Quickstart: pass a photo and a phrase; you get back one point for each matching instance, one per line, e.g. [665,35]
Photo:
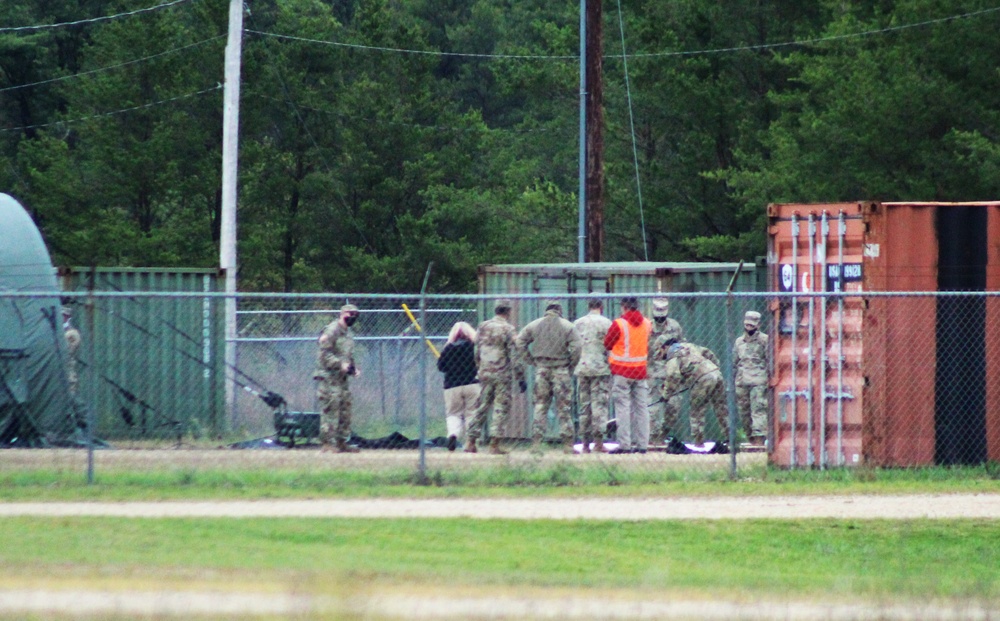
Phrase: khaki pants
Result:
[459,408]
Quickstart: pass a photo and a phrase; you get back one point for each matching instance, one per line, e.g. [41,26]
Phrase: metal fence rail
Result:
[882,379]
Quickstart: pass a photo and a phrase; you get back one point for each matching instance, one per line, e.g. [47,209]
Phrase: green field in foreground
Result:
[827,559]
[557,479]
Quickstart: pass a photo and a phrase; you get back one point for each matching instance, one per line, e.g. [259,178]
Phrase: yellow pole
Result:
[416,325]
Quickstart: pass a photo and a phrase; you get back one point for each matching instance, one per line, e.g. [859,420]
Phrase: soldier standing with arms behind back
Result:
[334,365]
[498,364]
[593,375]
[552,346]
[750,363]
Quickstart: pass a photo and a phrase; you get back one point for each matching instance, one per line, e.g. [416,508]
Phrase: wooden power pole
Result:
[595,133]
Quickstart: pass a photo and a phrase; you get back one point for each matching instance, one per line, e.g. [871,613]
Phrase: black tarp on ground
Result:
[36,408]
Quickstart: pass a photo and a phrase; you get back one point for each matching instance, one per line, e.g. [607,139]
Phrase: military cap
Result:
[661,307]
[501,305]
[349,308]
[550,304]
[677,349]
[752,317]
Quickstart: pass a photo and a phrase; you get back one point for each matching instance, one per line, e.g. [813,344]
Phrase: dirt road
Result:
[930,506]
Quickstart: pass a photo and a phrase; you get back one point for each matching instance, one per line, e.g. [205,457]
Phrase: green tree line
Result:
[379,135]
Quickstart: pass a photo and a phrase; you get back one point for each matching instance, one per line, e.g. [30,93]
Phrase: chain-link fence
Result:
[151,380]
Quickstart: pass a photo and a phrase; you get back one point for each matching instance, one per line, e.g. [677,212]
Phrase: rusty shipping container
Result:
[885,380]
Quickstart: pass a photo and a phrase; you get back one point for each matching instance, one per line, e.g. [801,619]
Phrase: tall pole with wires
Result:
[230,167]
[582,208]
[595,132]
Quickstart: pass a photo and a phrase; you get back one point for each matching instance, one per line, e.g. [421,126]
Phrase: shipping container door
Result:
[816,379]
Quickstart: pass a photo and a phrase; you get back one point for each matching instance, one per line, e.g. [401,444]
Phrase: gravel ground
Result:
[931,506]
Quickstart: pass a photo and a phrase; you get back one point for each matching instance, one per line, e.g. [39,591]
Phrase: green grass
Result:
[829,559]
[560,479]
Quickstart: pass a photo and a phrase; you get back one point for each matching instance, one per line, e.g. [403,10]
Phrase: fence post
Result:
[89,315]
[730,384]
[422,472]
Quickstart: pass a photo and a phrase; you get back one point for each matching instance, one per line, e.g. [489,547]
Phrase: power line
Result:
[721,50]
[408,51]
[122,111]
[110,67]
[850,35]
[91,20]
[442,128]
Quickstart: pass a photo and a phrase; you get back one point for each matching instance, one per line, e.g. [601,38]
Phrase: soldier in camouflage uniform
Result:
[688,369]
[593,375]
[498,364]
[663,412]
[750,363]
[335,363]
[73,341]
[552,346]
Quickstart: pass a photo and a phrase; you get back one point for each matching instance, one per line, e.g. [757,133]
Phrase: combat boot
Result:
[495,447]
[470,446]
[344,447]
[586,443]
[567,446]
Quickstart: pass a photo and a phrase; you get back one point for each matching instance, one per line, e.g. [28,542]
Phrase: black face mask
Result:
[750,331]
[349,320]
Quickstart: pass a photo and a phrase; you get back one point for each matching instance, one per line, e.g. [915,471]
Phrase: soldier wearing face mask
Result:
[335,364]
[750,363]
[663,412]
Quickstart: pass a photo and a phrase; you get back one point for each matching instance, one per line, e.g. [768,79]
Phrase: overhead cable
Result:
[407,51]
[631,125]
[720,50]
[114,112]
[91,20]
[110,67]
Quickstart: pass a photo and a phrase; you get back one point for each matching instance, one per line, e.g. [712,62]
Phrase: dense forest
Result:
[379,135]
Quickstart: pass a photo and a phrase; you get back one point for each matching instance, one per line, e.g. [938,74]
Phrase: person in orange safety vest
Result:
[627,342]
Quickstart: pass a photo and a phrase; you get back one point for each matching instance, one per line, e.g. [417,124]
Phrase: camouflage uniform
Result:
[498,364]
[593,375]
[336,347]
[687,368]
[663,412]
[750,362]
[552,346]
[73,341]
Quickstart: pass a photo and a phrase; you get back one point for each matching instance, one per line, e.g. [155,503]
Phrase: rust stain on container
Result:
[885,381]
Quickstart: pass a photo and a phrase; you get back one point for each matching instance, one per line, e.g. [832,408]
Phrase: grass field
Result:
[952,563]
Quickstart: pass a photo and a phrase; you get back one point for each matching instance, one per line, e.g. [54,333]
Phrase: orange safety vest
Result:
[632,348]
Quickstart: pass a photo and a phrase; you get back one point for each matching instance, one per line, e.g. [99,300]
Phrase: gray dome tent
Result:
[36,408]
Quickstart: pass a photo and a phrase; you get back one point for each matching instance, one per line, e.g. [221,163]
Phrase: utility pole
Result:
[582,190]
[595,131]
[230,168]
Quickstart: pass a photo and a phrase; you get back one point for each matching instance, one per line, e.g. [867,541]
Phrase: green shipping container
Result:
[157,370]
[705,320]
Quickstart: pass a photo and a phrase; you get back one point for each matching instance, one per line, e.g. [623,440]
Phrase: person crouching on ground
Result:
[461,388]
